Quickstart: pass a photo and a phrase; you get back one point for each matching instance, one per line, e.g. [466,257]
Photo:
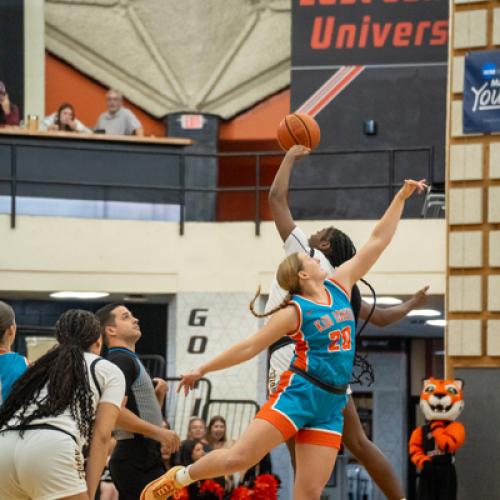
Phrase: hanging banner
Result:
[481,103]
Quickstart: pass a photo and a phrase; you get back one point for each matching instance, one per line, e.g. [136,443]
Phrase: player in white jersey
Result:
[332,247]
[69,398]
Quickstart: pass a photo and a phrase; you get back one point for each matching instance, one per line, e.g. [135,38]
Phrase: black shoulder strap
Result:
[94,378]
[134,357]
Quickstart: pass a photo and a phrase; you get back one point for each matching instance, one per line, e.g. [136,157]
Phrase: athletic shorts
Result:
[301,409]
[42,465]
[279,363]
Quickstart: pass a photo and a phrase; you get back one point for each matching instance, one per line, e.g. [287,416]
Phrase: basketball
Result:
[298,128]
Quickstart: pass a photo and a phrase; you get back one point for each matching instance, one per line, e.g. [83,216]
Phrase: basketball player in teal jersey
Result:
[312,394]
[332,247]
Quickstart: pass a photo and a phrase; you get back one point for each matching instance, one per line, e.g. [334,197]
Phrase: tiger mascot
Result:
[432,447]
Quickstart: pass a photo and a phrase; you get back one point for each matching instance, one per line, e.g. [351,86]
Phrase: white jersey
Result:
[111,383]
[280,359]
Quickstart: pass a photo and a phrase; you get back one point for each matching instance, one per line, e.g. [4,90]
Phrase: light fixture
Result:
[436,322]
[424,312]
[79,295]
[384,301]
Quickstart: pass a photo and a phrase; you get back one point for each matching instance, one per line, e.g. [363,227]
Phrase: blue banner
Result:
[481,103]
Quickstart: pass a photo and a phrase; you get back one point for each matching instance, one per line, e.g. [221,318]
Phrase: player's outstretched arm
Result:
[384,316]
[281,323]
[278,193]
[354,269]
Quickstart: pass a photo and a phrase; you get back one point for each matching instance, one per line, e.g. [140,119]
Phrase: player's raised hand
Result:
[297,151]
[188,380]
[420,297]
[410,186]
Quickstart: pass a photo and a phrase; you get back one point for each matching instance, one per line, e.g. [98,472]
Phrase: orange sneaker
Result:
[163,487]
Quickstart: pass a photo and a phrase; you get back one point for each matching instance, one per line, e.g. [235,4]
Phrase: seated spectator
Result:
[216,433]
[9,112]
[118,120]
[64,120]
[195,449]
[196,432]
[12,365]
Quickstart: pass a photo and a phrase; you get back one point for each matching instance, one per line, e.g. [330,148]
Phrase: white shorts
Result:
[280,362]
[42,465]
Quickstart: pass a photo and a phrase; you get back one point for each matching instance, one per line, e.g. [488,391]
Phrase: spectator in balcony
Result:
[9,112]
[12,365]
[118,120]
[64,120]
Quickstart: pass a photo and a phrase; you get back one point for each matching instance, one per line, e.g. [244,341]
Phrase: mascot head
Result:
[442,399]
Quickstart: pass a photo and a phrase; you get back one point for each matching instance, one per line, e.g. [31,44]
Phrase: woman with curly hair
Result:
[68,399]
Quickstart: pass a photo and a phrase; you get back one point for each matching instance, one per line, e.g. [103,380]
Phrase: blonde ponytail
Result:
[282,305]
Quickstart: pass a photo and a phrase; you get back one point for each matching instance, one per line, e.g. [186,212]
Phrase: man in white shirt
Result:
[118,120]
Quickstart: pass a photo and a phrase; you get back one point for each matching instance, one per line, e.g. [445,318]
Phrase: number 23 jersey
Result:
[325,335]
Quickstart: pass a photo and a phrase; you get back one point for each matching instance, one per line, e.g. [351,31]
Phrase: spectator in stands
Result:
[9,112]
[64,120]
[216,433]
[197,429]
[12,365]
[118,120]
[195,449]
[136,459]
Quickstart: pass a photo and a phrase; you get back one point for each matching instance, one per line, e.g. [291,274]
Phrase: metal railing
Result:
[180,409]
[14,180]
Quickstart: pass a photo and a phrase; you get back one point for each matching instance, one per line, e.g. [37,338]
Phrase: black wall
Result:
[12,50]
[44,313]
[402,47]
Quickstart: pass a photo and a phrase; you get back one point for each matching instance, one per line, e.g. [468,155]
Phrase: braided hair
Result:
[63,371]
[288,279]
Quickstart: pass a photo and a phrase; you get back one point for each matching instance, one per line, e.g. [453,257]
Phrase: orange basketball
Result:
[298,128]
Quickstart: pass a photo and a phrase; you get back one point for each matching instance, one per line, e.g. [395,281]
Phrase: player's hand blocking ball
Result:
[298,129]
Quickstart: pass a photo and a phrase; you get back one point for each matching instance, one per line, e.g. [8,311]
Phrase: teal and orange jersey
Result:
[325,336]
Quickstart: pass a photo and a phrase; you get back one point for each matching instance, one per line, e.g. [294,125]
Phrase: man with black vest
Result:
[136,459]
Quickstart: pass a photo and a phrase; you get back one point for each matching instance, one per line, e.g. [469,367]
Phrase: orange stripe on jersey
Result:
[319,437]
[299,319]
[301,348]
[284,382]
[338,285]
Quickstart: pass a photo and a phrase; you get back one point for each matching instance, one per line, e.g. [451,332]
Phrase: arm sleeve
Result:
[128,368]
[111,381]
